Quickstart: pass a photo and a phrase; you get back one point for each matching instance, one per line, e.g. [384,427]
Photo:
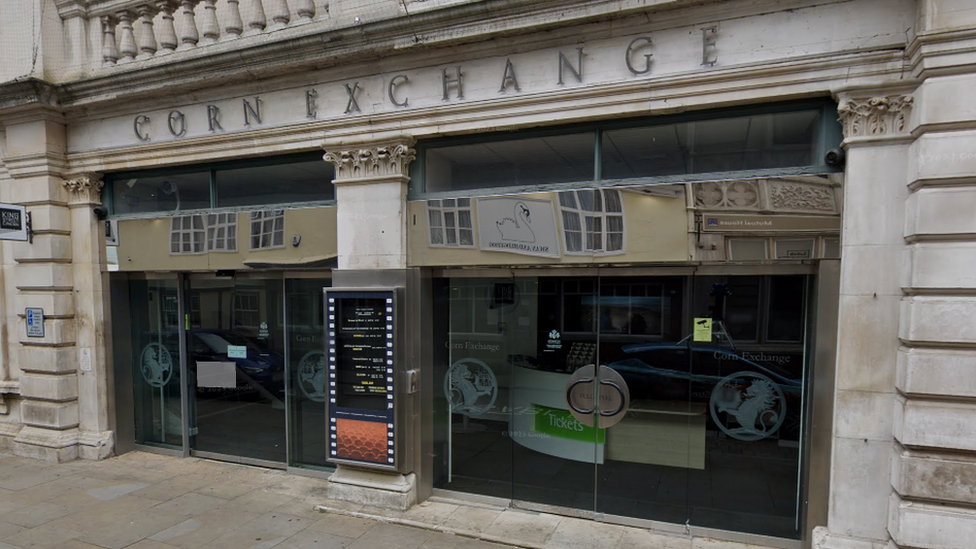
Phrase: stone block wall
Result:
[934,455]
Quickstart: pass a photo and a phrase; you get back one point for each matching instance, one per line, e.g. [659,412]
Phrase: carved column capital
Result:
[875,116]
[84,189]
[379,160]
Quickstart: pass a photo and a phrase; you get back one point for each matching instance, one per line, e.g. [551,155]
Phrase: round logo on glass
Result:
[156,365]
[311,375]
[470,386]
[748,406]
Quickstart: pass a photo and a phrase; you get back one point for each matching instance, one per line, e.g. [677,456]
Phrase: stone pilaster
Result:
[875,189]
[371,191]
[934,462]
[40,275]
[90,279]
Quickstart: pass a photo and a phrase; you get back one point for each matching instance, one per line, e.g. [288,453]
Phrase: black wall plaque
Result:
[361,346]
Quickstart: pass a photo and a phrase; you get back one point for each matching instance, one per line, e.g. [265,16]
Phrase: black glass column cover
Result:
[361,349]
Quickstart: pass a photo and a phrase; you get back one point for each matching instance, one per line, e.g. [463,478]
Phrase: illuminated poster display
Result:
[361,346]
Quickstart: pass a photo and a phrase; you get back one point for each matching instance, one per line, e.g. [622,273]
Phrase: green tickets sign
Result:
[562,424]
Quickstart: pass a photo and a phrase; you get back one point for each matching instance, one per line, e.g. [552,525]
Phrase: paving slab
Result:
[441,540]
[125,532]
[37,514]
[573,533]
[42,537]
[534,528]
[391,536]
[198,531]
[312,539]
[472,519]
[342,525]
[7,529]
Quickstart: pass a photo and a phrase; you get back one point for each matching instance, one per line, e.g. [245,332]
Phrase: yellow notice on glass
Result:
[703,329]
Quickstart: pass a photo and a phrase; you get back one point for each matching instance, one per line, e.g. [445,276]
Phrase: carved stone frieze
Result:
[877,116]
[85,189]
[372,160]
[732,195]
[791,196]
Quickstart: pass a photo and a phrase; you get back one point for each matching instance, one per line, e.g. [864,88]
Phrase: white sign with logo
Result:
[518,225]
[13,222]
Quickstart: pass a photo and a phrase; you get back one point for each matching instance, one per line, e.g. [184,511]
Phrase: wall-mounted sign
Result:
[773,223]
[35,322]
[703,329]
[13,223]
[112,232]
[361,351]
[518,225]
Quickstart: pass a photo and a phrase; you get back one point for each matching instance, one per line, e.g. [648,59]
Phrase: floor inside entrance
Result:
[244,426]
[744,486]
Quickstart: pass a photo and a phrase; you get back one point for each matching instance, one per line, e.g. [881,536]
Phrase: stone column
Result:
[878,145]
[95,440]
[371,189]
[41,276]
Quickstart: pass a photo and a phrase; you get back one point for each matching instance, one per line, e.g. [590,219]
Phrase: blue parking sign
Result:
[35,322]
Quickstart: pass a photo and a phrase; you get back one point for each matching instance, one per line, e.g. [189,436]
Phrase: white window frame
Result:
[247,304]
[226,222]
[602,215]
[191,235]
[265,220]
[438,205]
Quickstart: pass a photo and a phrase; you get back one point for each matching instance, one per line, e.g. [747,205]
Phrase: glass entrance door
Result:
[236,364]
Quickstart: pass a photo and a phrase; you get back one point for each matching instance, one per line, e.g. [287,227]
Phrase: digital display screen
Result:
[361,346]
[361,351]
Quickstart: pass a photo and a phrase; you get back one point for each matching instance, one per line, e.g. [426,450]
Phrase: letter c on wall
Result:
[137,126]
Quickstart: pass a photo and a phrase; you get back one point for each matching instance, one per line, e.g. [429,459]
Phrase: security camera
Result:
[101,212]
[835,158]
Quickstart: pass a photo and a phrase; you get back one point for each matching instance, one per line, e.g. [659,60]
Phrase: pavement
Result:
[148,501]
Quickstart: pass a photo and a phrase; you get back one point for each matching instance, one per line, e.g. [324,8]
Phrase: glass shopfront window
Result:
[307,372]
[713,430]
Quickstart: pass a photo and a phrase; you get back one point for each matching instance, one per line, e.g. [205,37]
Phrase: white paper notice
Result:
[236,351]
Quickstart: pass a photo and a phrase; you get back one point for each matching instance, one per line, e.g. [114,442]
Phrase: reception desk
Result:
[653,432]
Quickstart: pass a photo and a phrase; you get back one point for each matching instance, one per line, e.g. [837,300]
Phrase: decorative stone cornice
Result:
[372,160]
[84,189]
[876,116]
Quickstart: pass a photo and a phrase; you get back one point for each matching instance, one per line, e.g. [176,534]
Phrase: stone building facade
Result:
[98,93]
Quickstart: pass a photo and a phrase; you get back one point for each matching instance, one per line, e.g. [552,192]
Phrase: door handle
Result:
[623,398]
[569,399]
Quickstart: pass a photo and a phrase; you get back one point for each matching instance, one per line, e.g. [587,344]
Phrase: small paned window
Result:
[187,235]
[267,229]
[247,309]
[222,232]
[450,223]
[593,221]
